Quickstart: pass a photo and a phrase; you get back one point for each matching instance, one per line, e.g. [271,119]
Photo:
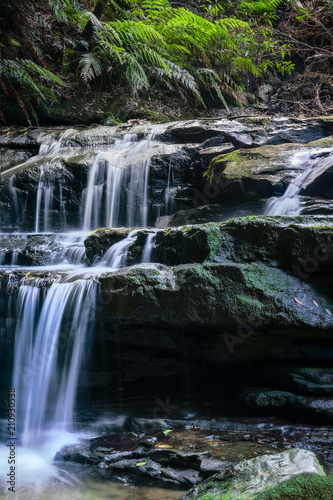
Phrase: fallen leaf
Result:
[328,312]
[298,302]
[235,486]
[315,303]
[27,274]
[167,431]
[140,464]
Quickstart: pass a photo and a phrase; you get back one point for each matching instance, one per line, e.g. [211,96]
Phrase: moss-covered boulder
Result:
[213,295]
[266,171]
[302,245]
[267,477]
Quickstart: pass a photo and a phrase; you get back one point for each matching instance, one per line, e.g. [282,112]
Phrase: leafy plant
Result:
[25,81]
[153,41]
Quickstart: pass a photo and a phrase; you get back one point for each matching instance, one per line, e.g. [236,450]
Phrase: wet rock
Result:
[316,206]
[211,466]
[207,154]
[149,469]
[253,478]
[177,458]
[185,147]
[98,242]
[117,456]
[320,408]
[287,242]
[149,442]
[321,186]
[265,171]
[35,249]
[310,380]
[217,294]
[78,453]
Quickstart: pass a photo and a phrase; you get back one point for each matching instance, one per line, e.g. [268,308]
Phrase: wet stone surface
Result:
[186,452]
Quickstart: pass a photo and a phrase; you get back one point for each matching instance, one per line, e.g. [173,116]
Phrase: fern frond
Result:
[246,65]
[260,7]
[91,67]
[134,72]
[212,80]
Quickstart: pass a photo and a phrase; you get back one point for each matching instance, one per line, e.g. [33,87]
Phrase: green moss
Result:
[266,160]
[326,142]
[312,487]
[211,496]
[213,238]
[247,305]
[202,271]
[267,280]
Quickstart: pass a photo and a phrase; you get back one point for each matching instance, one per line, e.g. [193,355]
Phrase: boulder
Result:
[259,477]
[39,249]
[184,149]
[315,407]
[266,171]
[306,380]
[217,295]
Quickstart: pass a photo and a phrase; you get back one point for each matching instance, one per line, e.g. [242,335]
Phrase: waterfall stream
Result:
[289,203]
[53,318]
[53,323]
[148,248]
[111,186]
[50,337]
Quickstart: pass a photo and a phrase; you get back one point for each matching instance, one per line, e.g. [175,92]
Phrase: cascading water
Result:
[54,323]
[50,338]
[169,195]
[289,203]
[117,190]
[116,256]
[148,248]
[44,193]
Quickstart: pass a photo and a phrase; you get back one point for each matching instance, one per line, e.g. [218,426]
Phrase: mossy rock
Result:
[307,487]
[261,477]
[265,171]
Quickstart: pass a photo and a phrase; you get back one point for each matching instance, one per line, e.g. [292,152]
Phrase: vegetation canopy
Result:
[200,52]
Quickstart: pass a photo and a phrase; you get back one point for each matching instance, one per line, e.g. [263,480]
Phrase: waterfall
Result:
[44,191]
[49,345]
[117,188]
[49,146]
[148,248]
[169,195]
[289,203]
[71,249]
[116,256]
[2,258]
[13,196]
[14,258]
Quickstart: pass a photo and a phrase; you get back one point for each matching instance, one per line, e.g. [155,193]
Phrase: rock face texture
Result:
[256,158]
[259,477]
[235,300]
[250,290]
[216,300]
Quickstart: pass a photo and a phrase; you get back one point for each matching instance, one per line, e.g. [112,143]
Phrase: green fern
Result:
[91,67]
[65,10]
[156,41]
[25,82]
